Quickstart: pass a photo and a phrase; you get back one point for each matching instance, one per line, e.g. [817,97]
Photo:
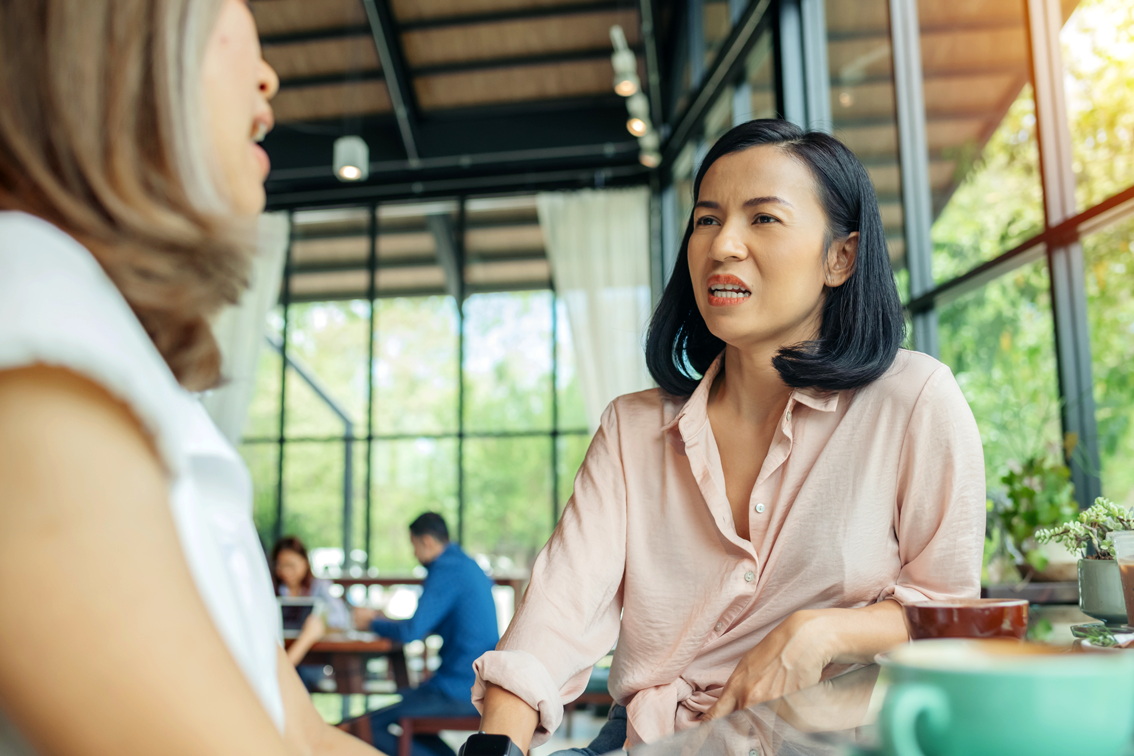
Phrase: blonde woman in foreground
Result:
[130,179]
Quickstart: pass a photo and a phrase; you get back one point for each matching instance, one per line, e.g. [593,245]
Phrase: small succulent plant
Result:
[1089,534]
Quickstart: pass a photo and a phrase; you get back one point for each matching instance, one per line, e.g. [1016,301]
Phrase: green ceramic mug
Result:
[1005,698]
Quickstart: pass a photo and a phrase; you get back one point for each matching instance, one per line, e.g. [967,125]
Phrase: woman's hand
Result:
[314,628]
[363,616]
[789,658]
[793,656]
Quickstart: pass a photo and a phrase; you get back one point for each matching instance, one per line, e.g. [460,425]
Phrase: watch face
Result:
[487,745]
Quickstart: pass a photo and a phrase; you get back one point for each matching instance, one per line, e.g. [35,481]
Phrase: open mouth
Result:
[727,290]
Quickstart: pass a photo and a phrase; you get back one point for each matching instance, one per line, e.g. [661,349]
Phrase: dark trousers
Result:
[610,738]
[417,702]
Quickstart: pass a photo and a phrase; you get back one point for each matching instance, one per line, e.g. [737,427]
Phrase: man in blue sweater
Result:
[456,604]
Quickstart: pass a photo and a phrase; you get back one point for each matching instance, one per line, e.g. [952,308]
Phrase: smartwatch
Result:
[483,744]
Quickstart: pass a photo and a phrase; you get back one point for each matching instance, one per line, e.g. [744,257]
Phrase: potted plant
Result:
[1036,494]
[1100,587]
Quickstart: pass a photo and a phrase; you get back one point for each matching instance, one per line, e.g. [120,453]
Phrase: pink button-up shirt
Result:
[864,495]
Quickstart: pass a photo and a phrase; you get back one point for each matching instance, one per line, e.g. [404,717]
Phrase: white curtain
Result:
[598,243]
[240,330]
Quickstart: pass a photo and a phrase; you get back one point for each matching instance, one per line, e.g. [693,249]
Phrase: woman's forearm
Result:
[857,635]
[507,714]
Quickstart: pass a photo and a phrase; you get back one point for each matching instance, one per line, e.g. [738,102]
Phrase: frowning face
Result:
[757,251]
[237,85]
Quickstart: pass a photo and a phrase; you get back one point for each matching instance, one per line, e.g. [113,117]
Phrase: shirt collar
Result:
[695,412]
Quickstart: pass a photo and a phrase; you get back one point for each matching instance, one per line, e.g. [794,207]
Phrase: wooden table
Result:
[347,654]
[1035,592]
[515,582]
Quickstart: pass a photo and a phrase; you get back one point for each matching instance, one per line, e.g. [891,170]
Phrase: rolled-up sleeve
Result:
[569,616]
[940,508]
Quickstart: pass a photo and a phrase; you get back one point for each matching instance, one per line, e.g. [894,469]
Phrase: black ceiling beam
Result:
[519,14]
[315,35]
[464,163]
[630,173]
[397,79]
[647,13]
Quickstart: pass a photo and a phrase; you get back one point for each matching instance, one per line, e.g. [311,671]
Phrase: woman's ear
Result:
[841,259]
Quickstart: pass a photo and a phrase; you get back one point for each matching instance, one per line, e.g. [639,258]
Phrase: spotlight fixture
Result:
[352,159]
[627,84]
[638,107]
[649,154]
[625,65]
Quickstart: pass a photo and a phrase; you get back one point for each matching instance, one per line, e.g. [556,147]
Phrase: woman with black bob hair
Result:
[756,523]
[862,325]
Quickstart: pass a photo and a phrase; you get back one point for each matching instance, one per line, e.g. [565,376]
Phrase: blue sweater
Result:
[456,604]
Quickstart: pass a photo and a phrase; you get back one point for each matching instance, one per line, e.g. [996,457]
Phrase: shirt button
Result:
[749,576]
[719,626]
[760,508]
[753,752]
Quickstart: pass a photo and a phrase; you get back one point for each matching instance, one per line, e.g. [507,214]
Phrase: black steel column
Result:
[372,297]
[285,297]
[461,371]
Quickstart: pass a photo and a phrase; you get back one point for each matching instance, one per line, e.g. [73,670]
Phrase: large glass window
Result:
[373,432]
[1109,258]
[508,356]
[509,511]
[981,130]
[416,370]
[999,342]
[1098,57]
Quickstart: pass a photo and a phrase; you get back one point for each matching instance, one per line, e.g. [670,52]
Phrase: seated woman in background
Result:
[756,522]
[291,575]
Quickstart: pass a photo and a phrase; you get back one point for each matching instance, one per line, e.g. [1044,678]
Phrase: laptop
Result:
[295,611]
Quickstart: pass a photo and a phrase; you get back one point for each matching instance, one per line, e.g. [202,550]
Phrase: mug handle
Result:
[905,704]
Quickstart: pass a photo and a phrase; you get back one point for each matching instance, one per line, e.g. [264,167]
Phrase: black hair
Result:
[862,324]
[431,524]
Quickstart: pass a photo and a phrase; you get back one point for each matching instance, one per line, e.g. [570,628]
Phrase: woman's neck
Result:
[749,387]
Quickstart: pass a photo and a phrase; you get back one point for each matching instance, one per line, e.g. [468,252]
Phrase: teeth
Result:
[729,291]
[730,294]
[259,132]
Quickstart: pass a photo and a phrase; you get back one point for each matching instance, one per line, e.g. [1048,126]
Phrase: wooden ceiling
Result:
[469,93]
[460,97]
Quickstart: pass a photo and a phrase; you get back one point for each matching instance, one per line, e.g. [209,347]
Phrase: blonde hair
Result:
[102,134]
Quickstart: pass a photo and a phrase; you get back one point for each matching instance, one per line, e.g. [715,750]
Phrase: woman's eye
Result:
[764,219]
[705,220]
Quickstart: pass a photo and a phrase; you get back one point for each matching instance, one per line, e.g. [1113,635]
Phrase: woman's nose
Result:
[729,244]
[269,81]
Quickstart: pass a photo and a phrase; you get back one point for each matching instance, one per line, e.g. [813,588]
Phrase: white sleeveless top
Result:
[58,307]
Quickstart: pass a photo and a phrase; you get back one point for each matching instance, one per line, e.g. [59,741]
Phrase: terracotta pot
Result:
[1100,591]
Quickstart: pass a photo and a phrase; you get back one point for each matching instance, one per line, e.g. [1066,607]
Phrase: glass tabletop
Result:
[833,718]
